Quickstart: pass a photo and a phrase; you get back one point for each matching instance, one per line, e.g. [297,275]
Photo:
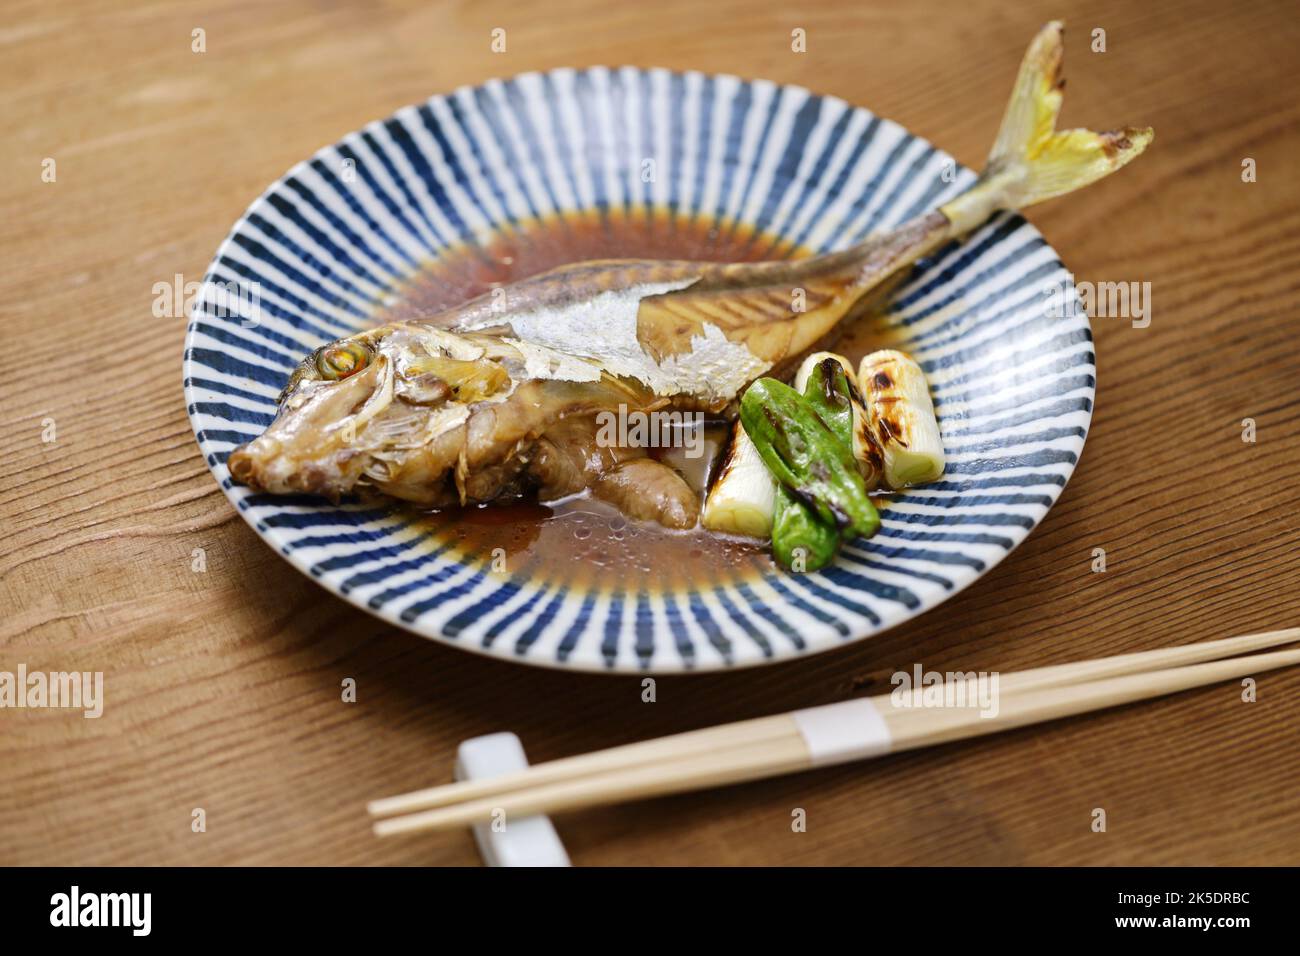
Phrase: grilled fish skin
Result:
[494,398]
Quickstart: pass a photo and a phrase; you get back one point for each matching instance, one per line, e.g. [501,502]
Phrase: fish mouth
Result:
[263,466]
[243,468]
[260,465]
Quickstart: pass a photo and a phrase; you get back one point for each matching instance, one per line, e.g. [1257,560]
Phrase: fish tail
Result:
[1031,161]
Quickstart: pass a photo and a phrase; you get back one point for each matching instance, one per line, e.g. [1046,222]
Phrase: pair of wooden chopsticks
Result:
[837,733]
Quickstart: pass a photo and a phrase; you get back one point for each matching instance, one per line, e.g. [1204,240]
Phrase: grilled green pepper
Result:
[806,457]
[827,391]
[799,540]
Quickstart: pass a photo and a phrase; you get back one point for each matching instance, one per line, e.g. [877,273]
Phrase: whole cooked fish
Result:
[499,397]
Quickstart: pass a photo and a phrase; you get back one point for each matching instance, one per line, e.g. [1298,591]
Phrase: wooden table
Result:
[223,686]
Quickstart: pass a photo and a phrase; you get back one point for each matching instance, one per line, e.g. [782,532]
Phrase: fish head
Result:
[358,404]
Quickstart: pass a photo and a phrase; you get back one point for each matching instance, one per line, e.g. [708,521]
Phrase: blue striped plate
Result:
[324,249]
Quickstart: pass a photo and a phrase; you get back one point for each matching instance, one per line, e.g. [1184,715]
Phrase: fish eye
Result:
[335,362]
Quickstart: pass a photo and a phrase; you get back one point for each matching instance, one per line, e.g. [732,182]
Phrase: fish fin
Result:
[1031,161]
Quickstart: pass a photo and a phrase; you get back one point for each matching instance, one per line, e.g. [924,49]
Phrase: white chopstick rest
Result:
[849,730]
[528,841]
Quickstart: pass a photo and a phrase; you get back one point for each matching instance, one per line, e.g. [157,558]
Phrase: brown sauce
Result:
[585,542]
[582,541]
[463,272]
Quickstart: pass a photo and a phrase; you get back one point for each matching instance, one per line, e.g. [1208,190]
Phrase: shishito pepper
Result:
[827,391]
[811,463]
[799,540]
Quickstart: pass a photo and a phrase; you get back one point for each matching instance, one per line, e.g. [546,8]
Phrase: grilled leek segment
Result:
[901,417]
[744,494]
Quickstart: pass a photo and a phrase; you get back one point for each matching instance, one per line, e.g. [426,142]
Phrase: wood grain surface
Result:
[222,687]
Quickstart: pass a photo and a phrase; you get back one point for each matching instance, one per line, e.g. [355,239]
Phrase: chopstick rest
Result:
[528,841]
